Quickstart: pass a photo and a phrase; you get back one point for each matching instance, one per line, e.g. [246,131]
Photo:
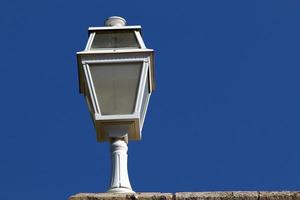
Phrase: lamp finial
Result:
[115,21]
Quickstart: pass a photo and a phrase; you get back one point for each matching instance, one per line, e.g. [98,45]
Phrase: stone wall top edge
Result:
[123,196]
[223,195]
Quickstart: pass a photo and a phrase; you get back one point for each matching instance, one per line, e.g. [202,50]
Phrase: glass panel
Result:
[114,40]
[145,100]
[116,86]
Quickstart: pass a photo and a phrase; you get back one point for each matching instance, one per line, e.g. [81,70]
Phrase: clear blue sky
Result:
[225,115]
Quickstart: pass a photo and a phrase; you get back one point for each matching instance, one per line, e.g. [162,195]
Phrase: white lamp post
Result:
[116,76]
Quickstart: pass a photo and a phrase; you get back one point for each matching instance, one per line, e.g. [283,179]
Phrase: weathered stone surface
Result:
[111,196]
[239,195]
[285,195]
[204,195]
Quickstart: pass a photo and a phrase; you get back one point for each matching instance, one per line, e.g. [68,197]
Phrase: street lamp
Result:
[116,77]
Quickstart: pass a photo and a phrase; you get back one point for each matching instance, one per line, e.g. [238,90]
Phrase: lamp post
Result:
[116,77]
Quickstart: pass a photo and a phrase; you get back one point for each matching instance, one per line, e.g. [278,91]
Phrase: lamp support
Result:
[119,173]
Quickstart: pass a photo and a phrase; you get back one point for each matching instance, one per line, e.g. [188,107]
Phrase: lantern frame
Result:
[89,56]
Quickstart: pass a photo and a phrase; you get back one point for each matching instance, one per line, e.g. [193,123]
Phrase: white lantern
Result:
[116,76]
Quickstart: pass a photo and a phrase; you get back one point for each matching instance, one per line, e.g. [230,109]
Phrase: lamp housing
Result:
[116,77]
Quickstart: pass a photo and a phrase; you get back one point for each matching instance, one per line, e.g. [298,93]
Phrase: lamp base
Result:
[119,174]
[120,190]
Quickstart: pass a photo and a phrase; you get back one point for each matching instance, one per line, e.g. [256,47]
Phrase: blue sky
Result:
[225,115]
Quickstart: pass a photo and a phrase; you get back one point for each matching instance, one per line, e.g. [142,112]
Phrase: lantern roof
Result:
[115,37]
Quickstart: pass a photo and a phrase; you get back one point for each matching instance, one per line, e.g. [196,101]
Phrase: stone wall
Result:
[286,195]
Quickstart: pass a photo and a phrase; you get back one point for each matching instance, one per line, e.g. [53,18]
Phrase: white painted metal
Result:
[140,39]
[136,116]
[141,87]
[103,28]
[92,88]
[145,94]
[119,178]
[117,60]
[117,117]
[119,174]
[109,51]
[119,128]
[84,57]
[145,111]
[115,21]
[92,91]
[89,43]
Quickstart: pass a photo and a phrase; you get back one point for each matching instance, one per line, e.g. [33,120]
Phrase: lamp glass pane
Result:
[145,100]
[116,86]
[115,40]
